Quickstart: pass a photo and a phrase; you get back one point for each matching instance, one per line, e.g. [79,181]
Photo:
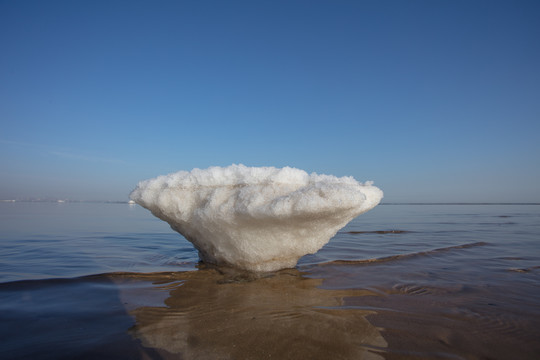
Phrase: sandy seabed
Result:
[221,313]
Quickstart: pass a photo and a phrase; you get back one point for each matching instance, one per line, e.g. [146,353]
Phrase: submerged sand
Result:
[220,313]
[215,315]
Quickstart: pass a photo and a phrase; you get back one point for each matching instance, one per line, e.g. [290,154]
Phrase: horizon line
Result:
[64,200]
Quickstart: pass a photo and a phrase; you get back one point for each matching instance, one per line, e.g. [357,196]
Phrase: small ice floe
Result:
[255,218]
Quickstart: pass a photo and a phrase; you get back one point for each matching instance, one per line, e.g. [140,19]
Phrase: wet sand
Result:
[219,313]
[231,315]
[206,314]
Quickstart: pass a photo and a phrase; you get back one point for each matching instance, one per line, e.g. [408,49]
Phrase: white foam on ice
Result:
[255,218]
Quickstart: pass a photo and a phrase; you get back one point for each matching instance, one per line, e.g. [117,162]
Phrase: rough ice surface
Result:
[255,218]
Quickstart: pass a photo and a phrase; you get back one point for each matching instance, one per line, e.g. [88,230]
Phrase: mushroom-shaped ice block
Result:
[255,218]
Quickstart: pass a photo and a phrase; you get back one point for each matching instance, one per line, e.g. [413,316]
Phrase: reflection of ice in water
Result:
[212,315]
[261,219]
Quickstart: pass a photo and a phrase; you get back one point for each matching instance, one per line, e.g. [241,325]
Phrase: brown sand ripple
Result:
[404,256]
[225,314]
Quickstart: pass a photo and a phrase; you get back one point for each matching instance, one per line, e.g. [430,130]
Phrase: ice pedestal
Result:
[255,218]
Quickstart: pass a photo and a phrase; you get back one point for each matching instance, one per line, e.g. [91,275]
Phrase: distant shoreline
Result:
[61,201]
[460,203]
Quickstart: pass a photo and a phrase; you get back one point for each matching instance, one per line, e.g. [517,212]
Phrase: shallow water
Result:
[399,282]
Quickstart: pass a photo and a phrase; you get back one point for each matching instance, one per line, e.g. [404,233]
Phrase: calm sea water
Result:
[88,280]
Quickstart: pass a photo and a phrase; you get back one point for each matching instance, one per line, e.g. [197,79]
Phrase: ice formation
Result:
[255,218]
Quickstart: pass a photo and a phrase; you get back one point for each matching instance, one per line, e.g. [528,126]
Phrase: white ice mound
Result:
[255,218]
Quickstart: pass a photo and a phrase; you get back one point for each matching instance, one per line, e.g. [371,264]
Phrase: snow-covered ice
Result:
[255,218]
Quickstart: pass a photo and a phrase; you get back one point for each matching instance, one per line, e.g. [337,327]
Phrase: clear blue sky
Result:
[432,100]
